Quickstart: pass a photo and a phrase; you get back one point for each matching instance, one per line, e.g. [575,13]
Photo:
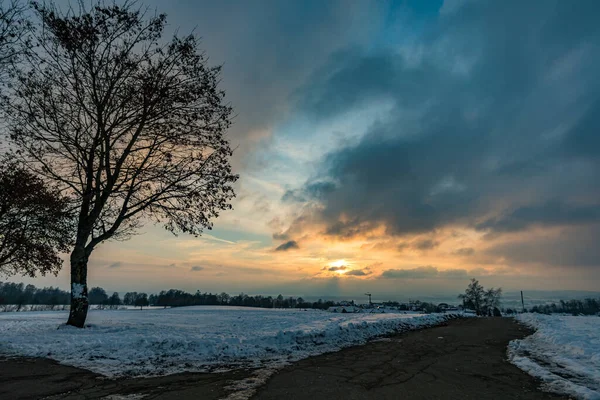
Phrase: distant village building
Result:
[344,309]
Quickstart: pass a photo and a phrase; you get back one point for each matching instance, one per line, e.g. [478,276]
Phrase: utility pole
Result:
[522,302]
[369,294]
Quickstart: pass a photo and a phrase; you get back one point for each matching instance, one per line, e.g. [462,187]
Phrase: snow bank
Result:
[564,353]
[156,342]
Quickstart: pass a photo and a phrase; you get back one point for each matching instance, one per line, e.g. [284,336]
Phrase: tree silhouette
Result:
[133,129]
[473,296]
[34,223]
[141,300]
[14,27]
[97,295]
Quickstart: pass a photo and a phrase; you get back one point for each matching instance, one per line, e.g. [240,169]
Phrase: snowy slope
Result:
[154,342]
[564,353]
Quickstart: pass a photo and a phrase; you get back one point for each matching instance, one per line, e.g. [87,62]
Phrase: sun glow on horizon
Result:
[340,266]
[339,263]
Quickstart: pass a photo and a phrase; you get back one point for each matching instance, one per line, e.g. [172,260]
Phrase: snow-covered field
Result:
[163,341]
[564,353]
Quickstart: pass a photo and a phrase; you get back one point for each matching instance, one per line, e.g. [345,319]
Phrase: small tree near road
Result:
[480,300]
[491,300]
[473,296]
[131,128]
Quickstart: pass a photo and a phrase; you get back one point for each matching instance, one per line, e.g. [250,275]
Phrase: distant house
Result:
[445,307]
[344,309]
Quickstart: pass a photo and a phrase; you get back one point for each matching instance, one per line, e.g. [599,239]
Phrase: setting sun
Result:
[339,267]
[339,263]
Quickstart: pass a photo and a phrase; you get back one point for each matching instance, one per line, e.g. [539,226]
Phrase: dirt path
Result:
[39,378]
[463,360]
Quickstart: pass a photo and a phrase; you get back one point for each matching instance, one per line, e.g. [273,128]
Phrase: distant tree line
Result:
[13,293]
[418,306]
[574,307]
[98,296]
[19,294]
[476,297]
[179,298]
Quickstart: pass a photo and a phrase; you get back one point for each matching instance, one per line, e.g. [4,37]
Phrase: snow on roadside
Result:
[158,342]
[564,353]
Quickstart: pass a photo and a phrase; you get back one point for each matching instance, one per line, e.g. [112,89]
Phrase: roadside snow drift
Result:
[156,342]
[564,353]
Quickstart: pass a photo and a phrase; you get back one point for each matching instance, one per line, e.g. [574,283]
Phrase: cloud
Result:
[196,268]
[117,264]
[281,236]
[313,190]
[552,213]
[464,251]
[358,272]
[290,245]
[455,273]
[425,272]
[575,247]
[334,269]
[419,244]
[259,75]
[425,244]
[414,273]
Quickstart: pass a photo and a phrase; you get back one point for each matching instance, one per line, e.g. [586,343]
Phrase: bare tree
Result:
[13,33]
[492,299]
[132,128]
[34,223]
[473,296]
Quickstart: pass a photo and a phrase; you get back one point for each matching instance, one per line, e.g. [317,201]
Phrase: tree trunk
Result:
[79,292]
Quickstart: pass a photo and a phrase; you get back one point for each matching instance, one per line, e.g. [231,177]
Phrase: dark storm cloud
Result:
[549,213]
[577,249]
[267,49]
[289,245]
[487,124]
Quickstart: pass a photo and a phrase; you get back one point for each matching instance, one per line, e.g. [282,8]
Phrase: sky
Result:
[392,147]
